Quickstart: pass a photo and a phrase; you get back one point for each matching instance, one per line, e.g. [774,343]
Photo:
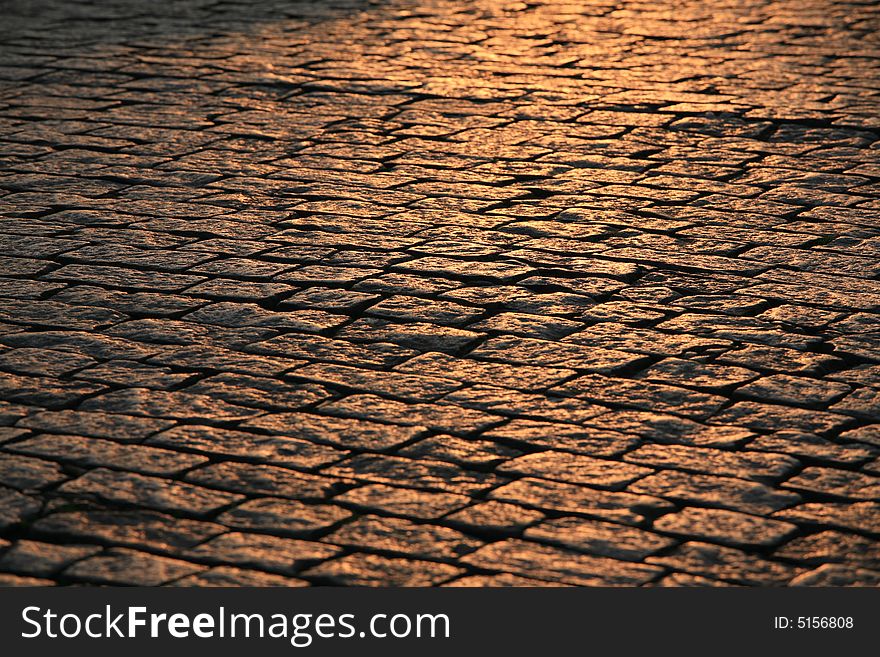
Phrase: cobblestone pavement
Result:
[440,293]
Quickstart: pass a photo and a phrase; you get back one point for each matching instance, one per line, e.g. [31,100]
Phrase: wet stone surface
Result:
[473,293]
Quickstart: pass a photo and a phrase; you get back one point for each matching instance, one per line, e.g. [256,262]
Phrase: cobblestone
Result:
[439,293]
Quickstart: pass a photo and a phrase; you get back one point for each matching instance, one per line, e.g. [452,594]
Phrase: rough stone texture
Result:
[43,559]
[361,569]
[601,538]
[473,293]
[556,564]
[283,555]
[231,576]
[834,575]
[123,566]
[727,527]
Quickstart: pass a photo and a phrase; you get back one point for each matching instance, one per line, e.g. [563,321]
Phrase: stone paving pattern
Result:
[440,293]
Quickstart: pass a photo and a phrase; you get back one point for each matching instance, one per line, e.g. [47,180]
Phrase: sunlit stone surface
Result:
[440,293]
